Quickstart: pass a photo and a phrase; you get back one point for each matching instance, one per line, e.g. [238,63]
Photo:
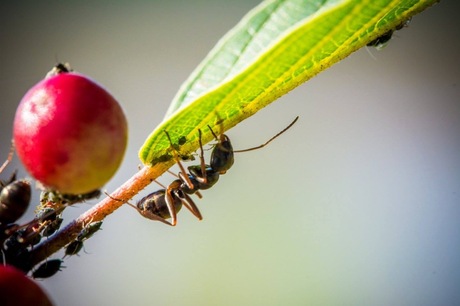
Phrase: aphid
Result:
[46,214]
[48,268]
[52,204]
[73,248]
[89,230]
[381,41]
[165,203]
[35,239]
[59,68]
[51,226]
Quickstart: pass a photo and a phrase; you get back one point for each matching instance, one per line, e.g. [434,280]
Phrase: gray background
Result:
[358,204]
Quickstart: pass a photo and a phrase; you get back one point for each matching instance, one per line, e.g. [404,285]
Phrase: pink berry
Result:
[17,289]
[70,133]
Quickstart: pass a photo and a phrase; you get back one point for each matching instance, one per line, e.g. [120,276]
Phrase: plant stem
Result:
[108,205]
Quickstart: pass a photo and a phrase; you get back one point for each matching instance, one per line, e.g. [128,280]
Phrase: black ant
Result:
[165,203]
[14,195]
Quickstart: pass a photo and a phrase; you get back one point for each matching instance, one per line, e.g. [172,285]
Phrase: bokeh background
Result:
[358,204]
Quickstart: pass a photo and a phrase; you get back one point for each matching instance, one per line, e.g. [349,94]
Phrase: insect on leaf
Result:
[276,47]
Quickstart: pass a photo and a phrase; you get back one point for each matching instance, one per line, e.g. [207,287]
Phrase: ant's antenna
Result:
[271,139]
[9,158]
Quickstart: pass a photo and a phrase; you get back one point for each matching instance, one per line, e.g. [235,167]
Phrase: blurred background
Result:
[358,204]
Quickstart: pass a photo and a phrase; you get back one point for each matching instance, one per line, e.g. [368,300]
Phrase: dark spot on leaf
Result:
[182,140]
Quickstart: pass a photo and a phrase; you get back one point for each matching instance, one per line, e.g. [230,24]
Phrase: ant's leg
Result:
[163,186]
[170,204]
[181,177]
[177,193]
[185,199]
[9,158]
[202,162]
[182,169]
[190,205]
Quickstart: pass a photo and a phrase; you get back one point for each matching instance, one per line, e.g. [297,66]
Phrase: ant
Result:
[14,195]
[165,203]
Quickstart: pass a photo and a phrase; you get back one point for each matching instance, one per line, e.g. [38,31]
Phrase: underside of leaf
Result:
[275,48]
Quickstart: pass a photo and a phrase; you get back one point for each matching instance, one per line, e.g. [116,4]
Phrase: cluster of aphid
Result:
[17,241]
[164,204]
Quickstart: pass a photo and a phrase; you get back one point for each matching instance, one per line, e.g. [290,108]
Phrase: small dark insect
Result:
[55,197]
[89,230]
[46,221]
[59,68]
[182,140]
[46,214]
[48,268]
[51,226]
[164,204]
[381,41]
[73,248]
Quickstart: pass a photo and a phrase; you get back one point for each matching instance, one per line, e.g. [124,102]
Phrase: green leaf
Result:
[275,48]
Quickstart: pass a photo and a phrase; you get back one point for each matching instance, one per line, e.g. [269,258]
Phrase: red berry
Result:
[70,133]
[17,289]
